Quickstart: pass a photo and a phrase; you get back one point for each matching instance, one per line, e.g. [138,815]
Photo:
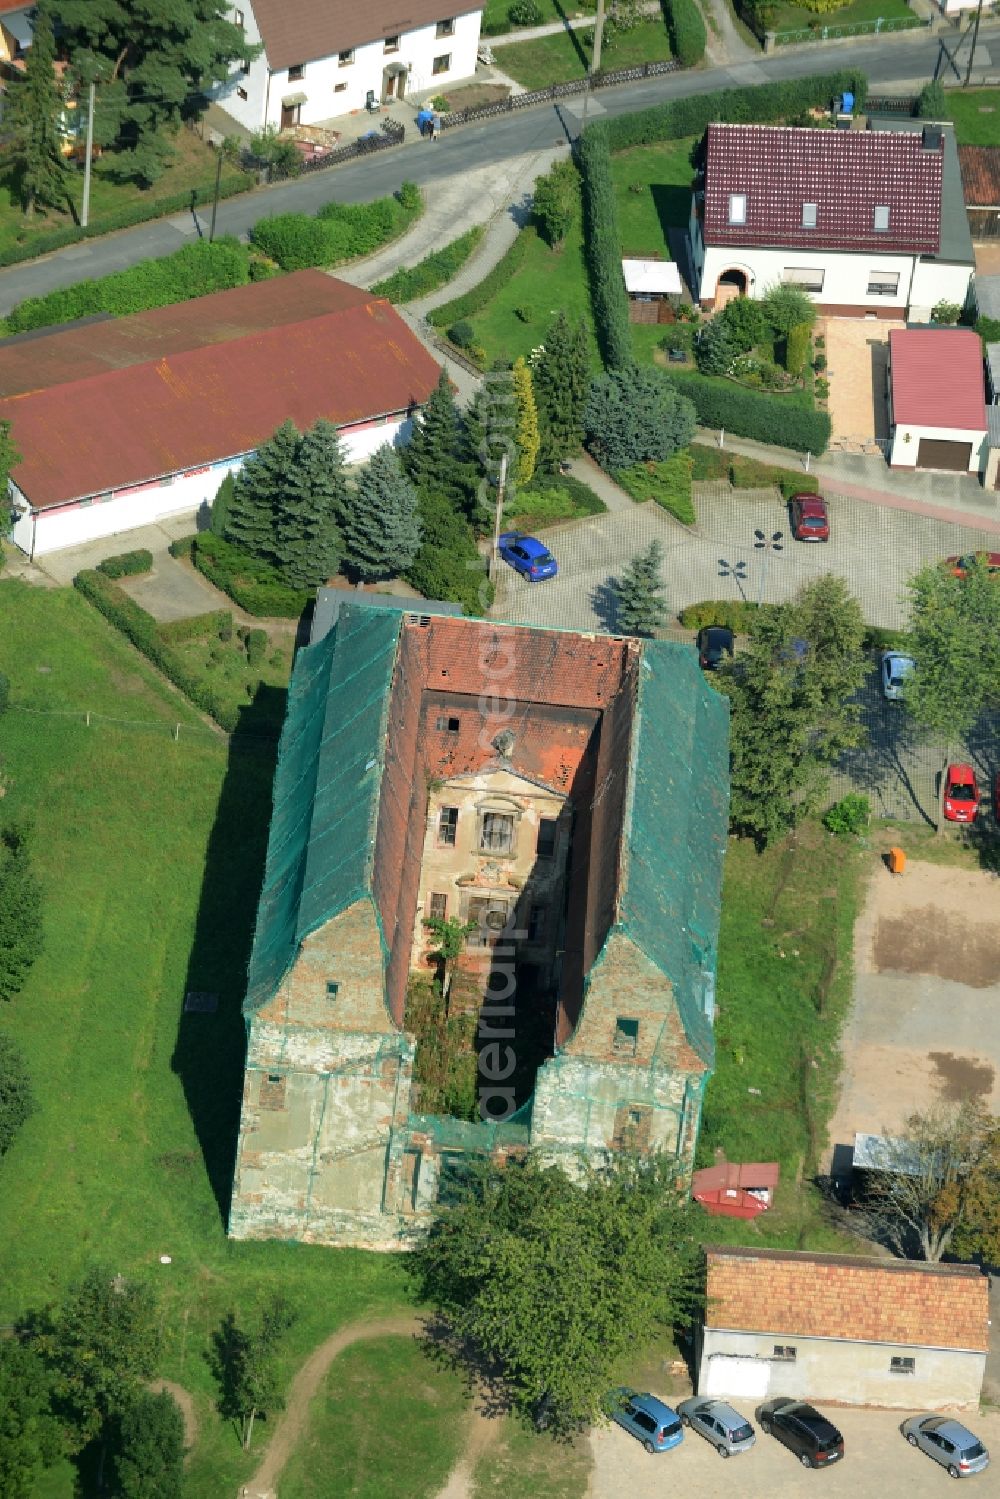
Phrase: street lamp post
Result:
[735,570]
[767,545]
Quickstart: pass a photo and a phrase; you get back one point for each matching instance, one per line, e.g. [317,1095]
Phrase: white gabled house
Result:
[871,223]
[324,58]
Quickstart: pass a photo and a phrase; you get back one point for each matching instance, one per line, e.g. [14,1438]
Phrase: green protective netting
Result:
[471,1137]
[326,789]
[676,828]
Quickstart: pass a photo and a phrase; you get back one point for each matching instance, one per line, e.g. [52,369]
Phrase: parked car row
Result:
[797,1425]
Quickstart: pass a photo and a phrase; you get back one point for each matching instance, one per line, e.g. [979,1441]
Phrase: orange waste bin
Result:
[897,861]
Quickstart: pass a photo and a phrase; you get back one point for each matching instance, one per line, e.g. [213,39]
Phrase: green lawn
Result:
[149,851]
[387,1425]
[653,191]
[976,113]
[520,1461]
[193,167]
[496,20]
[784,987]
[789,17]
[561,58]
[224,667]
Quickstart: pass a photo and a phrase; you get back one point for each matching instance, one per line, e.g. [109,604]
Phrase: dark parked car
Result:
[714,642]
[815,1441]
[810,521]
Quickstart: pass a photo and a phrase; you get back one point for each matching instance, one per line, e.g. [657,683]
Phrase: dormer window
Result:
[809,215]
[881,216]
[737,208]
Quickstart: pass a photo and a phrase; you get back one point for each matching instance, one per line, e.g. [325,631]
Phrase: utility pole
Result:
[215,200]
[975,39]
[85,210]
[595,61]
[495,554]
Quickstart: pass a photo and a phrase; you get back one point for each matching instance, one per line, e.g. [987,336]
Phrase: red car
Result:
[961,794]
[810,521]
[960,565]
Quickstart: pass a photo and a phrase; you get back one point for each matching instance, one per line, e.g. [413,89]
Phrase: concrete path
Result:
[588,472]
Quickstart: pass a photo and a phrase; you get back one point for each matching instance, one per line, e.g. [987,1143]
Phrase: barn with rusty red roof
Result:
[123,422]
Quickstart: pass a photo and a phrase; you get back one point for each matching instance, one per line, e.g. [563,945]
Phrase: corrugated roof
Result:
[298,31]
[846,174]
[791,1294]
[745,1175]
[676,828]
[326,789]
[937,378]
[980,175]
[162,396]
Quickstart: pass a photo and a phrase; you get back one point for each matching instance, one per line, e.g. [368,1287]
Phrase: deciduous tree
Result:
[557,1280]
[955,642]
[17,1102]
[786,306]
[635,414]
[152,63]
[526,433]
[34,106]
[556,201]
[448,934]
[640,605]
[382,529]
[30,1439]
[244,1361]
[20,910]
[149,1449]
[561,377]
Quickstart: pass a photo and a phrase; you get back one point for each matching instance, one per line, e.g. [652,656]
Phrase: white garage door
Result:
[737,1376]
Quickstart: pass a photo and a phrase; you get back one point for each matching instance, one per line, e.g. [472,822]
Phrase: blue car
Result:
[527,556]
[656,1426]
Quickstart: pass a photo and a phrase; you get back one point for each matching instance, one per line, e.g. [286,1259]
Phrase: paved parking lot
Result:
[877,1462]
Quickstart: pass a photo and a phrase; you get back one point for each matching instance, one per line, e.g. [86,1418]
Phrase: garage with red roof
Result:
[122,422]
[937,400]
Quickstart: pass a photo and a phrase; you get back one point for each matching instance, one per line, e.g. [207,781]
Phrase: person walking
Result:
[435,126]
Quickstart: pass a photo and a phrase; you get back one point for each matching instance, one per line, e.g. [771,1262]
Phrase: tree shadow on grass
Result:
[209,1051]
[580,52]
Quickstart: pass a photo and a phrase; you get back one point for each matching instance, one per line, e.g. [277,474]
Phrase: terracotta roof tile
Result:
[846,174]
[980,175]
[937,377]
[847,1296]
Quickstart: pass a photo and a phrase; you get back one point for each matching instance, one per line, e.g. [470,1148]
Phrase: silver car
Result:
[948,1442]
[725,1428]
[895,669]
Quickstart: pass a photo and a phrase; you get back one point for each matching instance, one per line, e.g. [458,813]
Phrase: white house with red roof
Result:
[937,400]
[324,58]
[871,223]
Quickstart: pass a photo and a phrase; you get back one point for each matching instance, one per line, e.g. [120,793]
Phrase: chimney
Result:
[932,137]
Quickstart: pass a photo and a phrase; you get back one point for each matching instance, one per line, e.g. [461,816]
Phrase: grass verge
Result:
[520,1461]
[407,1454]
[667,483]
[976,115]
[496,19]
[566,56]
[748,473]
[433,271]
[549,498]
[788,17]
[150,854]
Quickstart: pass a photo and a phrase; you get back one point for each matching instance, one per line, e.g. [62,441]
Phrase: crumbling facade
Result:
[566,795]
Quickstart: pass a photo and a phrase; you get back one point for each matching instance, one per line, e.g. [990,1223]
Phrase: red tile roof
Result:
[297,31]
[980,175]
[733,1175]
[846,1296]
[937,378]
[118,403]
[845,173]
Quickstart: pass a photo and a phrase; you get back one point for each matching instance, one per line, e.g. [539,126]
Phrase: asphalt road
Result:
[908,57]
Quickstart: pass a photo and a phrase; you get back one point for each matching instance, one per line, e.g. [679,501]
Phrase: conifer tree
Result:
[561,379]
[639,593]
[309,540]
[429,457]
[222,505]
[490,436]
[526,433]
[34,107]
[259,494]
[382,530]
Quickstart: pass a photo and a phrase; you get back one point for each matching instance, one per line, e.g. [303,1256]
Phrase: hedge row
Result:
[603,241]
[749,413]
[133,213]
[686,27]
[338,232]
[256,586]
[141,629]
[484,291]
[433,271]
[126,564]
[192,271]
[736,614]
[198,627]
[758,104]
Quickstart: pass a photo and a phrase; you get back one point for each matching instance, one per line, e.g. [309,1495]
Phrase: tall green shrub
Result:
[603,242]
[688,37]
[797,348]
[749,413]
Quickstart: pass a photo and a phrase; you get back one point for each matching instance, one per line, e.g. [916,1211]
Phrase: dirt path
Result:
[481,1432]
[292,1424]
[187,1410]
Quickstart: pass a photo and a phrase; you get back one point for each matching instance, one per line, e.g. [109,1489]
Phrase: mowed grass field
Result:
[149,851]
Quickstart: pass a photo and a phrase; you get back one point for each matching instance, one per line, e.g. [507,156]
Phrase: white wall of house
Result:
[50,530]
[845,278]
[856,1373]
[333,86]
[936,281]
[906,439]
